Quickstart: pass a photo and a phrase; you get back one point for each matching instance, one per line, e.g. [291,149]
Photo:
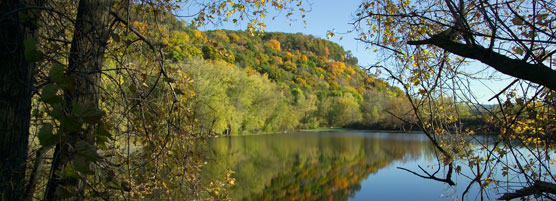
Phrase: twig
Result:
[503,90]
[447,180]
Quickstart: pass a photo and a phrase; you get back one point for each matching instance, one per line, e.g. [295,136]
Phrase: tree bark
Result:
[537,73]
[84,68]
[538,188]
[33,175]
[16,83]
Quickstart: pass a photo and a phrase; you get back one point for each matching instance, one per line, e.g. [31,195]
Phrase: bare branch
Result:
[447,180]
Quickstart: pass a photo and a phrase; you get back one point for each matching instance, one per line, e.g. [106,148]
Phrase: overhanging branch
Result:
[536,73]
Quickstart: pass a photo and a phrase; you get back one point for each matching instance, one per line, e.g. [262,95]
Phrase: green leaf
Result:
[102,136]
[517,20]
[35,112]
[46,137]
[56,73]
[102,130]
[69,172]
[541,17]
[49,94]
[115,37]
[132,88]
[101,141]
[178,91]
[31,53]
[517,50]
[114,184]
[82,164]
[87,150]
[529,34]
[57,112]
[57,76]
[49,91]
[128,42]
[90,114]
[71,123]
[23,16]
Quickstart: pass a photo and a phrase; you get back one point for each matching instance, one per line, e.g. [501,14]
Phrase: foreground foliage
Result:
[427,46]
[90,109]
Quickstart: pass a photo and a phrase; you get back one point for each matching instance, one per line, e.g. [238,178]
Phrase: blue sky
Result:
[328,15]
[324,16]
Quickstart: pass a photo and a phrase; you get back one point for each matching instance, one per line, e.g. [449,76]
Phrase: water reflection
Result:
[309,166]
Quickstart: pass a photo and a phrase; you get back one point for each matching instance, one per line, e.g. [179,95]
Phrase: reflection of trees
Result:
[305,166]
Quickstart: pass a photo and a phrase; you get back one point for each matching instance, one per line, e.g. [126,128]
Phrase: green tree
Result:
[71,91]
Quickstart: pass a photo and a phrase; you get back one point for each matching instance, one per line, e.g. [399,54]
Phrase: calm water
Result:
[347,165]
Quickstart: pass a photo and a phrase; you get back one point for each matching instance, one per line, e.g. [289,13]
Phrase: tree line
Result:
[317,83]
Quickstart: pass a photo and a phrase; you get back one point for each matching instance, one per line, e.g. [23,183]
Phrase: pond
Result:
[345,165]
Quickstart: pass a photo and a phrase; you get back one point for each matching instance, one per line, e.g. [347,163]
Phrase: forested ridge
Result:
[269,82]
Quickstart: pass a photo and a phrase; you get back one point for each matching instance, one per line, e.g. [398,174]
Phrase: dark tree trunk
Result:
[536,73]
[15,98]
[85,64]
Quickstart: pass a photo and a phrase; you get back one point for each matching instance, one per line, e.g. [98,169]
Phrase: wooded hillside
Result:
[279,81]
